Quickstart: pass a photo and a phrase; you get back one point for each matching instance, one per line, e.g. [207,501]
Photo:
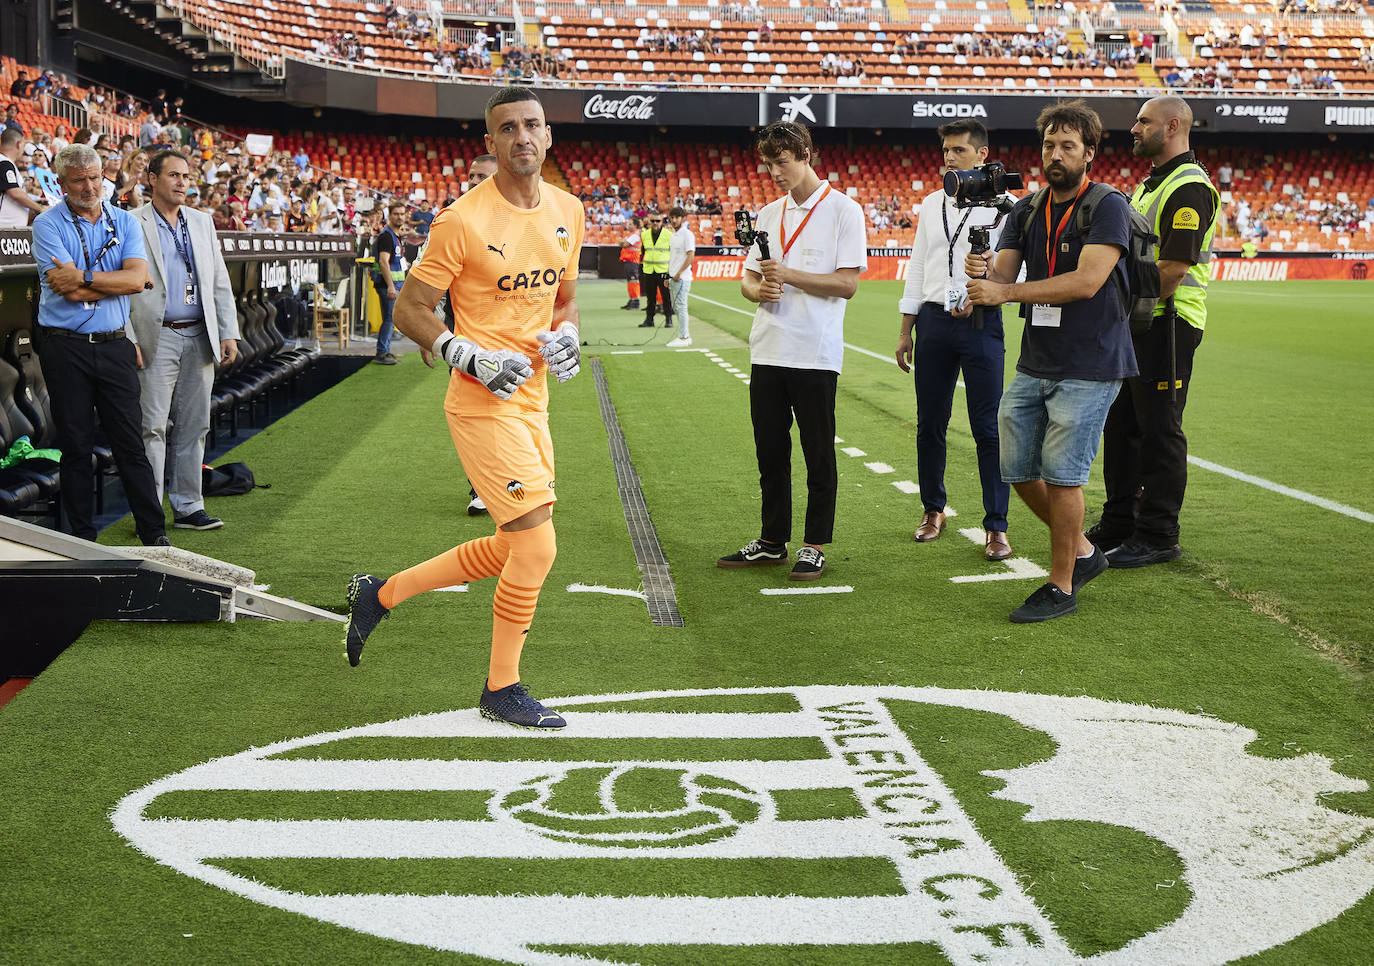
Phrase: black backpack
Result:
[230,479]
[1142,274]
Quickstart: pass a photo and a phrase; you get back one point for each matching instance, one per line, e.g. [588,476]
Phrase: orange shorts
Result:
[506,451]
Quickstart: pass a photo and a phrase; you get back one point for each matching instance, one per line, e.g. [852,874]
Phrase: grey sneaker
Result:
[199,520]
[365,612]
[476,507]
[513,705]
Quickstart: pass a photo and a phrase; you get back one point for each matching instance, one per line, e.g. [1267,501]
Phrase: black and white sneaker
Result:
[476,507]
[810,564]
[1045,604]
[199,520]
[1086,568]
[365,612]
[513,705]
[755,553]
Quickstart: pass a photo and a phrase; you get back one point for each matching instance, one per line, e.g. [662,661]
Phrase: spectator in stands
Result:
[149,132]
[1075,348]
[184,323]
[22,85]
[421,219]
[15,203]
[98,260]
[267,198]
[110,170]
[129,191]
[296,218]
[1294,79]
[302,161]
[796,344]
[12,119]
[937,339]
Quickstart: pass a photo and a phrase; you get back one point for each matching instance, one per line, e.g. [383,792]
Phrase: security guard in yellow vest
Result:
[655,242]
[1145,454]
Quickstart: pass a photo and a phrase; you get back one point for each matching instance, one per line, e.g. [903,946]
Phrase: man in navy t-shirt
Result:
[1075,346]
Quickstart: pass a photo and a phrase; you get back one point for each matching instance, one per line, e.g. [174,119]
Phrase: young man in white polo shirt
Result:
[818,250]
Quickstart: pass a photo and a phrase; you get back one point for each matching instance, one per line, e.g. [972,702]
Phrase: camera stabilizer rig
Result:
[746,234]
[985,186]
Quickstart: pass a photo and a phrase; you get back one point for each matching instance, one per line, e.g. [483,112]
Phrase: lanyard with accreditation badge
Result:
[1048,316]
[181,239]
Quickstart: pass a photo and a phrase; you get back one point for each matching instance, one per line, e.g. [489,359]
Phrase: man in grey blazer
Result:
[182,325]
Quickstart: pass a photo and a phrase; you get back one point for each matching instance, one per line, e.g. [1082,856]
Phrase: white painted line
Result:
[724,365]
[788,591]
[599,589]
[838,440]
[1273,487]
[880,468]
[627,352]
[1018,568]
[742,375]
[974,534]
[853,451]
[455,589]
[732,370]
[746,382]
[906,486]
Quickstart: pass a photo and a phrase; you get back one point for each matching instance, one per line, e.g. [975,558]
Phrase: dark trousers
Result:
[85,378]
[776,395]
[945,346]
[1144,451]
[655,288]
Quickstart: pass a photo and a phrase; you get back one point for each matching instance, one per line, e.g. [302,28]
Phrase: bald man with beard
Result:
[1145,452]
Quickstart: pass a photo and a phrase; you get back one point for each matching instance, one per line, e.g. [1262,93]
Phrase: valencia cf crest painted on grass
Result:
[564,239]
[823,816]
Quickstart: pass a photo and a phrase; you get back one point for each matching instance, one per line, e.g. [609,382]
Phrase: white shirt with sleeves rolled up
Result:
[805,331]
[927,274]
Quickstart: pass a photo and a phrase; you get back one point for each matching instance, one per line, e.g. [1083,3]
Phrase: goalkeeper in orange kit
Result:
[507,254]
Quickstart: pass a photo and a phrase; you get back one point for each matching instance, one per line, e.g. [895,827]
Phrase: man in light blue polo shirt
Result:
[93,258]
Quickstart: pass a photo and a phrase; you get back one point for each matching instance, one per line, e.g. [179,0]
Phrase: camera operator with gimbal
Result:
[1075,346]
[939,338]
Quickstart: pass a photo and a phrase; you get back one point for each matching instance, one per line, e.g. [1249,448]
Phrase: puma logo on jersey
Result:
[537,278]
[500,251]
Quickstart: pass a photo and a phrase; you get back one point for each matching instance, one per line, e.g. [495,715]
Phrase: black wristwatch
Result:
[88,276]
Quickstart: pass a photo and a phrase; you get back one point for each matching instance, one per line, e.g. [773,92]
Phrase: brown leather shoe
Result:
[932,525]
[995,546]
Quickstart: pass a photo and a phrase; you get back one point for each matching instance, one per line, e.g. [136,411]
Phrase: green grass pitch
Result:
[1265,623]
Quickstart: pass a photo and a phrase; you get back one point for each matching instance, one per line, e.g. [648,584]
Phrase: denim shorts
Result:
[1050,428]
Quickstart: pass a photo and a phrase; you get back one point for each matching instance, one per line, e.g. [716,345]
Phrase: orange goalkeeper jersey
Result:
[502,267]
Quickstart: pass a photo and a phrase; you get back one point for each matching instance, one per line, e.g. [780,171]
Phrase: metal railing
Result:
[72,113]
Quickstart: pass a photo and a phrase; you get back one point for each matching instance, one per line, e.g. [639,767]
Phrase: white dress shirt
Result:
[683,243]
[928,275]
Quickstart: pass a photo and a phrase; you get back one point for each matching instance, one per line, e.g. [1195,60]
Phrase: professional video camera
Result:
[985,186]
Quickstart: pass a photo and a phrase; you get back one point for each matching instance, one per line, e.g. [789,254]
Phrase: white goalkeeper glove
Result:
[502,371]
[561,351]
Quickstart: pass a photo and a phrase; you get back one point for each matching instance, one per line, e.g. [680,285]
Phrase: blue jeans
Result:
[384,333]
[678,290]
[944,346]
[1051,428]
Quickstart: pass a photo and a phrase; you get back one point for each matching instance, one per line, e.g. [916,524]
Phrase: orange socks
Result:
[521,557]
[633,289]
[530,556]
[471,561]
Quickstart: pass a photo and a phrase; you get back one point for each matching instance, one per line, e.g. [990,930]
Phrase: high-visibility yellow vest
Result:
[1191,298]
[656,252]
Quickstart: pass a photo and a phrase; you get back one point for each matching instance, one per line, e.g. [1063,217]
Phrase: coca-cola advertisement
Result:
[618,106]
